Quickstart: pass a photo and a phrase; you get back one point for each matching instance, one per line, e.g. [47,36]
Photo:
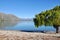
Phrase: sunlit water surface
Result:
[24,26]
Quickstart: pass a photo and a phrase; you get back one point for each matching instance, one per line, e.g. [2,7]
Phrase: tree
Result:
[48,18]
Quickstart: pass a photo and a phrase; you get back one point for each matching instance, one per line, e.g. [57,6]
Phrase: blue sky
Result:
[26,8]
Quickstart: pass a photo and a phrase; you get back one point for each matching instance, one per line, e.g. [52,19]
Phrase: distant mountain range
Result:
[8,17]
[13,18]
[26,19]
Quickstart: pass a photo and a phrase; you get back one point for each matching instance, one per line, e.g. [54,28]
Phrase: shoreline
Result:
[19,35]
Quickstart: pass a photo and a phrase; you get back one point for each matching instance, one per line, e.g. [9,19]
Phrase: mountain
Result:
[26,19]
[8,17]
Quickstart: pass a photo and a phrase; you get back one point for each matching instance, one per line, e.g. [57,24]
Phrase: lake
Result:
[24,26]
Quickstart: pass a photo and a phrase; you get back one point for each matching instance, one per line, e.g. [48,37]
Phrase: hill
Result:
[8,17]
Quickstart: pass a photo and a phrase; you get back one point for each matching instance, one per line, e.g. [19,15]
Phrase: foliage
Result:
[48,17]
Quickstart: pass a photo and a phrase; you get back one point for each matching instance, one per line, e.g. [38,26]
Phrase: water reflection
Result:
[4,24]
[27,26]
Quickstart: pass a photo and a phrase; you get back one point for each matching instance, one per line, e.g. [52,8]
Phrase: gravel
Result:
[18,35]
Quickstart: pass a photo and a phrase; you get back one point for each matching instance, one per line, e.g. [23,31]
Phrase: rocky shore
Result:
[18,35]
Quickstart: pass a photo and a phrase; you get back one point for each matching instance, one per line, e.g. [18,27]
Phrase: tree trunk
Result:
[56,27]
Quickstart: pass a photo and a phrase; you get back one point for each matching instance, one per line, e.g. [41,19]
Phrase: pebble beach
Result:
[18,35]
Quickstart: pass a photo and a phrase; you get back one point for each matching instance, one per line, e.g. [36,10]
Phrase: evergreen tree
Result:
[48,18]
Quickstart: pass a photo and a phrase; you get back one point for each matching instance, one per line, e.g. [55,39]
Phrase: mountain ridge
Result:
[8,17]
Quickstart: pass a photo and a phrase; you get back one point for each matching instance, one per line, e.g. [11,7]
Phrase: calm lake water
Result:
[24,26]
